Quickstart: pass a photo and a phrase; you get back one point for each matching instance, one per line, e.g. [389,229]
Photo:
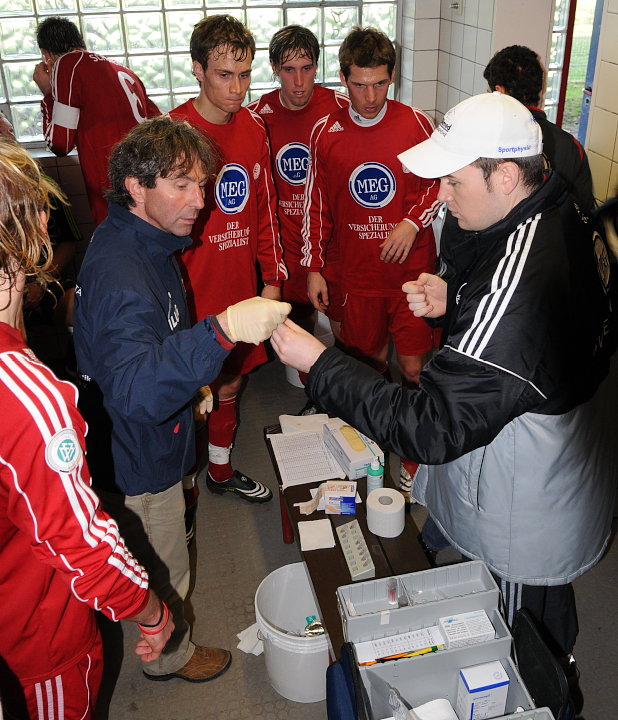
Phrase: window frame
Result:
[172,96]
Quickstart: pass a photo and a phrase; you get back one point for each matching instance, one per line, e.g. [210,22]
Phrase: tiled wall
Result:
[602,140]
[67,173]
[464,51]
[446,48]
[444,52]
[419,54]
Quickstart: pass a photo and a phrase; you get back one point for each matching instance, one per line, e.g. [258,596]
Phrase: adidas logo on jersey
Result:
[336,127]
[266,109]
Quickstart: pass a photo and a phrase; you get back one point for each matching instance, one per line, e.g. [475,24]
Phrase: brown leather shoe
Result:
[205,664]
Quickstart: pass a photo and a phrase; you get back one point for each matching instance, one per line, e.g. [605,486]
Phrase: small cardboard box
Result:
[340,497]
[465,629]
[482,691]
[353,451]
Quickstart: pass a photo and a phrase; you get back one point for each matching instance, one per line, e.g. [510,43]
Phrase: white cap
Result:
[491,125]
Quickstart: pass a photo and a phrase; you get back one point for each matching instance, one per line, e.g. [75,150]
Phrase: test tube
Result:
[391,591]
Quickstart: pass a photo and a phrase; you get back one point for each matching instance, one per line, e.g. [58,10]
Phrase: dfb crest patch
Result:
[63,452]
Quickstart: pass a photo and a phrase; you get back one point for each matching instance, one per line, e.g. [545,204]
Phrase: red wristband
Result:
[152,630]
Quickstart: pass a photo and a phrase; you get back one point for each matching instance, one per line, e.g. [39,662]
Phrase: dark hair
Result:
[156,148]
[224,32]
[58,35]
[519,70]
[532,169]
[291,42]
[366,48]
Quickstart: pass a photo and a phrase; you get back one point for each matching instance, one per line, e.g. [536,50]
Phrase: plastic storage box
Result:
[423,598]
[536,714]
[429,595]
[419,680]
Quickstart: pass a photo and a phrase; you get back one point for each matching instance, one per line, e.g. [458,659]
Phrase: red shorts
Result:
[295,290]
[243,358]
[336,298]
[369,321]
[71,695]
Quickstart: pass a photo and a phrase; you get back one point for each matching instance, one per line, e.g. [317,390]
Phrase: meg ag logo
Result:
[292,162]
[372,185]
[232,188]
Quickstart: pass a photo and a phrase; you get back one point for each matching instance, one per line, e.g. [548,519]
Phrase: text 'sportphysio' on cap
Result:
[491,125]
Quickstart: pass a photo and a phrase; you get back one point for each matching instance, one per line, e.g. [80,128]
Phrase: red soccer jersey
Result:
[238,224]
[289,132]
[94,102]
[358,191]
[60,554]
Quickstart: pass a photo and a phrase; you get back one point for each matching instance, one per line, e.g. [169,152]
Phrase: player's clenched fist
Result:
[426,296]
[254,320]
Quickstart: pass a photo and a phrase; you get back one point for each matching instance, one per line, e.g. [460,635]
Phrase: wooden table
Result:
[327,567]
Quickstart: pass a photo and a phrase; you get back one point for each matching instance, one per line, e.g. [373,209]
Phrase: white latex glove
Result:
[206,402]
[254,320]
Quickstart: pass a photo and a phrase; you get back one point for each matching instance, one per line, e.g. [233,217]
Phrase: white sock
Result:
[219,455]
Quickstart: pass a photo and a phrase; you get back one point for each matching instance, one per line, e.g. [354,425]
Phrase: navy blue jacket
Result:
[135,346]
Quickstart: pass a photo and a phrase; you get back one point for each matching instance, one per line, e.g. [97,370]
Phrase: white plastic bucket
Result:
[296,664]
[322,329]
[292,376]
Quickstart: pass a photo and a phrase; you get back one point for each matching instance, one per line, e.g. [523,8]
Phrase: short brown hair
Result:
[24,194]
[221,31]
[291,42]
[366,48]
[532,169]
[156,148]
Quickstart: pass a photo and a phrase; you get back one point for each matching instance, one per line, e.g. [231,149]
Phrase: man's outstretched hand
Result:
[295,346]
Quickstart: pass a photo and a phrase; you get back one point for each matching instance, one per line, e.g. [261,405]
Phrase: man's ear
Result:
[135,189]
[509,176]
[49,58]
[344,82]
[198,71]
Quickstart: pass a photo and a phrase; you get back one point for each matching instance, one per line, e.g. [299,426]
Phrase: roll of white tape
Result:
[386,512]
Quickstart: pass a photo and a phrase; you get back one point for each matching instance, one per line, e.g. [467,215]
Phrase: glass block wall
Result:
[152,38]
[556,58]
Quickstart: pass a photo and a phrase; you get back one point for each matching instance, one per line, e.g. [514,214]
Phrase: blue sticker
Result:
[292,162]
[232,188]
[372,185]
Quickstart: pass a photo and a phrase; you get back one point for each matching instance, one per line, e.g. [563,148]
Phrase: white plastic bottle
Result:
[375,475]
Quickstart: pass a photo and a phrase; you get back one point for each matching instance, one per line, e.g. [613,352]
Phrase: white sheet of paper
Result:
[302,423]
[303,458]
[316,534]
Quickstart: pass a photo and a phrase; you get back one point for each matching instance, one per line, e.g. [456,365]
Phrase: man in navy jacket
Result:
[141,364]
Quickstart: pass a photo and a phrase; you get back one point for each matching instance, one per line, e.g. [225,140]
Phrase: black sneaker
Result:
[310,409]
[571,672]
[243,486]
